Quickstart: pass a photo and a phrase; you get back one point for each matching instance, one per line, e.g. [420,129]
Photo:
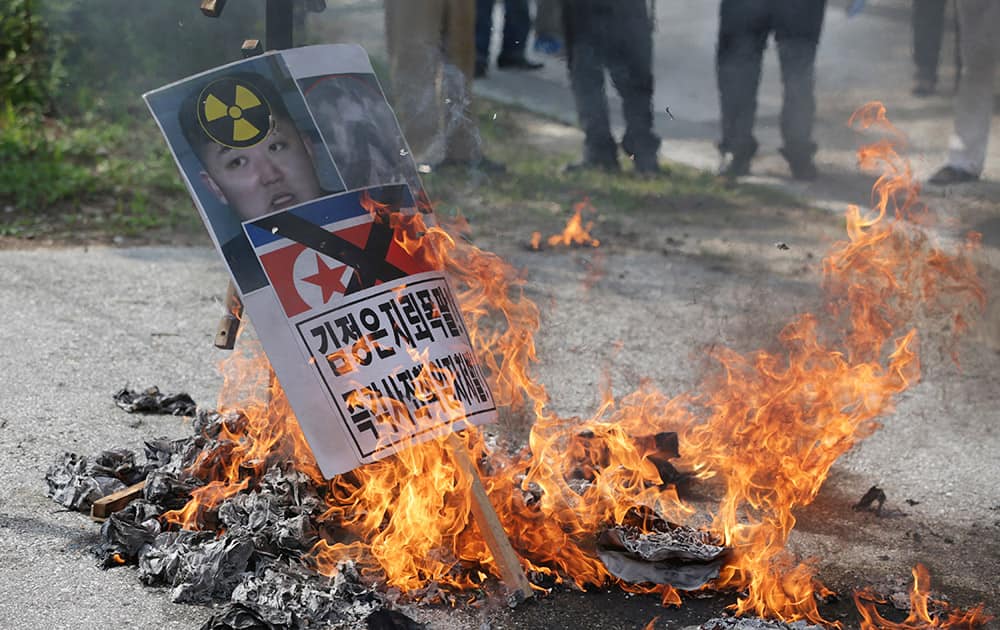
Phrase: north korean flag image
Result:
[318,252]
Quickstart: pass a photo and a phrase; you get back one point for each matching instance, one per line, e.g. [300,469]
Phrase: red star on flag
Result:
[327,278]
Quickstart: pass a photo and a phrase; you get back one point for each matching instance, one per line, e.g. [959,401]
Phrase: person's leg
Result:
[928,31]
[584,32]
[797,28]
[974,101]
[413,37]
[548,26]
[744,26]
[516,26]
[630,63]
[484,31]
[461,132]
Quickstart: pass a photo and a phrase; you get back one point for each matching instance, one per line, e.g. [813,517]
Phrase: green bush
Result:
[30,59]
[48,161]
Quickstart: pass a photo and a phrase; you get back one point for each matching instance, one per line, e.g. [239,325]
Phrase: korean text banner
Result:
[303,179]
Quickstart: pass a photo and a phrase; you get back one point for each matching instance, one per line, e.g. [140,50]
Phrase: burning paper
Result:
[305,183]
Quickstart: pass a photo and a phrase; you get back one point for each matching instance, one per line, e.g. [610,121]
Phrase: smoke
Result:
[110,51]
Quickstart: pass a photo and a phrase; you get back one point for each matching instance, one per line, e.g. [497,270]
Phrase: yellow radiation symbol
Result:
[234,113]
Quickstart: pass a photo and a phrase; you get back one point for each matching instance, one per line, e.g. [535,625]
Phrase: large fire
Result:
[762,434]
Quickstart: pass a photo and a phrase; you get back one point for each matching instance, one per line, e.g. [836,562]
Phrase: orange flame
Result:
[575,232]
[764,432]
[925,612]
[377,209]
[260,430]
[536,240]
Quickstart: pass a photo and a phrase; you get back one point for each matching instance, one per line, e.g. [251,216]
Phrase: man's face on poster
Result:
[274,174]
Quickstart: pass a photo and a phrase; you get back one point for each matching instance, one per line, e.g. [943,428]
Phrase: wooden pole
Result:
[103,507]
[229,325]
[490,527]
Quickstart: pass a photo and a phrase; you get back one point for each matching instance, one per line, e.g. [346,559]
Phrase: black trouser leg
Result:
[587,78]
[928,31]
[630,64]
[743,29]
[516,26]
[484,28]
[797,27]
[797,57]
[584,47]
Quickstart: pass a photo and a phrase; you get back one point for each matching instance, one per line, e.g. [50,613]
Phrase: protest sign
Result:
[300,172]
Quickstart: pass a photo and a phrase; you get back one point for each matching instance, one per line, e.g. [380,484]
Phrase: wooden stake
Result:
[229,325]
[103,507]
[212,8]
[491,528]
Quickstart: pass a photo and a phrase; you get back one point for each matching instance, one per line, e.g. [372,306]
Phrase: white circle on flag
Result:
[319,279]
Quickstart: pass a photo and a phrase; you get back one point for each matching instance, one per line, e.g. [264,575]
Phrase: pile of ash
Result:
[256,564]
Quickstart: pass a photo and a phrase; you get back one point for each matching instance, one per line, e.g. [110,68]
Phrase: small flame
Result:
[925,612]
[575,232]
[377,209]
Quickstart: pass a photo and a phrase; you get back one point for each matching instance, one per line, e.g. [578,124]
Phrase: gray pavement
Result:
[78,324]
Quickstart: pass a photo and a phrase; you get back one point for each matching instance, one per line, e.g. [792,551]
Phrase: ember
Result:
[762,435]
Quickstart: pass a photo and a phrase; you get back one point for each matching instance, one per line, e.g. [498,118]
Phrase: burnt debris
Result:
[76,481]
[256,563]
[871,501]
[151,400]
[646,548]
[755,623]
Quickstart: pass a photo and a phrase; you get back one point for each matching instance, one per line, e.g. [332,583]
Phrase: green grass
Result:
[92,179]
[536,190]
[87,178]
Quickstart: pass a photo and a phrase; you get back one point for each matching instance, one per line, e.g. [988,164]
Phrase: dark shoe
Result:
[608,166]
[481,68]
[800,163]
[924,87]
[951,175]
[734,165]
[647,164]
[518,63]
[804,170]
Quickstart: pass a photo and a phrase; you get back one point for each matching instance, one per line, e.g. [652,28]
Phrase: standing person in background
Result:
[516,26]
[979,48]
[431,60]
[744,28]
[548,27]
[928,31]
[614,36]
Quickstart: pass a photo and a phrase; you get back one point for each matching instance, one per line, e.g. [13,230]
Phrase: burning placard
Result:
[303,178]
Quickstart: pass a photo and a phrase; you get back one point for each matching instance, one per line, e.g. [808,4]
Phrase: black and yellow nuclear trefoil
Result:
[234,113]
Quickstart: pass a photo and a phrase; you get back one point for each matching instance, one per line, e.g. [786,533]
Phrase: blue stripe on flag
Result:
[325,211]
